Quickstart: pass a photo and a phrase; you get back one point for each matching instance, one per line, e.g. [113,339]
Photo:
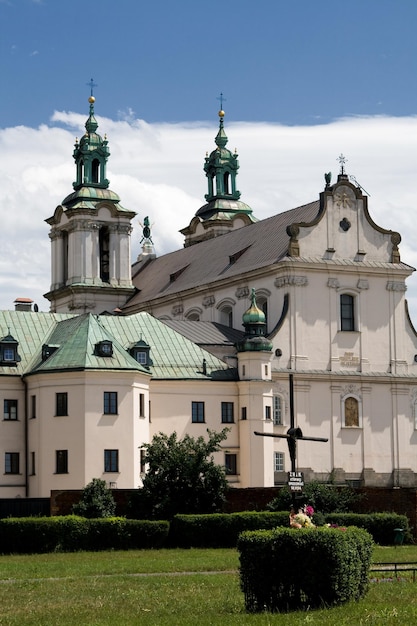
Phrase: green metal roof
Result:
[74,338]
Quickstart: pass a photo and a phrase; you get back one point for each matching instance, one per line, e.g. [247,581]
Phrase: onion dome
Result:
[254,322]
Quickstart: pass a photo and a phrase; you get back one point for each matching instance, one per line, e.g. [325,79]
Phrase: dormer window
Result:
[8,351]
[104,348]
[48,351]
[140,352]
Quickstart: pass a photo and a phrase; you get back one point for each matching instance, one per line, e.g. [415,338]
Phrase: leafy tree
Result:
[182,476]
[96,500]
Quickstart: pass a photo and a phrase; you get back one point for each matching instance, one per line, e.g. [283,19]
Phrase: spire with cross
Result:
[91,84]
[222,99]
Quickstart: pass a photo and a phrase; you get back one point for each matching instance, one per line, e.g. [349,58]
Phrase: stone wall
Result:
[374,499]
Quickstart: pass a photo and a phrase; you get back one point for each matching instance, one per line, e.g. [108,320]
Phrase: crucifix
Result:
[91,84]
[293,433]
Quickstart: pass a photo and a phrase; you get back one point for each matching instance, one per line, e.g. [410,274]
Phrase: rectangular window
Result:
[32,407]
[268,412]
[32,464]
[230,463]
[111,460]
[347,312]
[227,413]
[10,409]
[141,405]
[197,412]
[11,463]
[61,461]
[9,354]
[244,415]
[277,406]
[279,462]
[110,403]
[61,404]
[141,357]
[142,460]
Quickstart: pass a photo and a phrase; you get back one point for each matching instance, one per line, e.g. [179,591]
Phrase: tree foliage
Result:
[96,501]
[323,497]
[182,476]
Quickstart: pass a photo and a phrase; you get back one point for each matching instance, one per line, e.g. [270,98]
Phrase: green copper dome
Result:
[91,154]
[254,322]
[253,315]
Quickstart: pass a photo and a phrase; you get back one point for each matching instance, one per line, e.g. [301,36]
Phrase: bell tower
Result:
[90,235]
[224,210]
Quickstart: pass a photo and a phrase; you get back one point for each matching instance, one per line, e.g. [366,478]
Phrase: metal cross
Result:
[342,160]
[293,433]
[91,84]
[222,99]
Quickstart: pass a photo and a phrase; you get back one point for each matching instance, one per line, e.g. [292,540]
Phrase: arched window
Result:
[226,182]
[347,312]
[104,243]
[226,316]
[351,412]
[95,169]
[193,315]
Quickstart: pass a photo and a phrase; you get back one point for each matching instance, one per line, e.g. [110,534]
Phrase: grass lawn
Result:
[171,587]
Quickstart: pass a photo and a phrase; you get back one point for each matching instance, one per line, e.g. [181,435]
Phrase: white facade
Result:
[338,319]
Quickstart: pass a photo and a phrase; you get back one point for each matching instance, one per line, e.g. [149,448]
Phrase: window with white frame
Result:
[10,409]
[277,411]
[279,465]
[347,312]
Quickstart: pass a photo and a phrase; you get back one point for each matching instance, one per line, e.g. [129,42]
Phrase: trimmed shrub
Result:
[220,530]
[72,533]
[28,535]
[288,569]
[380,525]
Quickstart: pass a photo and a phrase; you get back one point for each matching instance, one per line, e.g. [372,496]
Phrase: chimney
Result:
[23,304]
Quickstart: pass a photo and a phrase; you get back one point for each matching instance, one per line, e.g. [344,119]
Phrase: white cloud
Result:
[157,170]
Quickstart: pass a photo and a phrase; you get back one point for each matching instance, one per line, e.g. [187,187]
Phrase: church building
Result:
[210,336]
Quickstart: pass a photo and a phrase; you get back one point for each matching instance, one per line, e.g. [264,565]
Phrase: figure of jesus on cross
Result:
[293,433]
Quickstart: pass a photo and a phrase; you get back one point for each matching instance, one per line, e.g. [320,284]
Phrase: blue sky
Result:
[304,82]
[302,62]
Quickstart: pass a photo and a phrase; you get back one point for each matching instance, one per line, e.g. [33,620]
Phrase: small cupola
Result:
[254,321]
[90,154]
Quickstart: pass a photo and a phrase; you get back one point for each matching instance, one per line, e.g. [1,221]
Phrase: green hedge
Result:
[290,569]
[71,533]
[380,525]
[220,530]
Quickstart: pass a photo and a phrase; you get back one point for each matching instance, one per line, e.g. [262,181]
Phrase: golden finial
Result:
[221,113]
[91,84]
